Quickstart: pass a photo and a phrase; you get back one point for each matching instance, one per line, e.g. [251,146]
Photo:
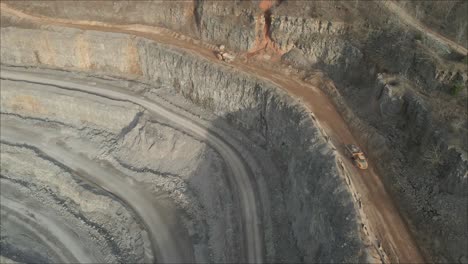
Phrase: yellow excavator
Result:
[357,156]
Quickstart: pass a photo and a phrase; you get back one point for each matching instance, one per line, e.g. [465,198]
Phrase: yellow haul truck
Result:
[357,156]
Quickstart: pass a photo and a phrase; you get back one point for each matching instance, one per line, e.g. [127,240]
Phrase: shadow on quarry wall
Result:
[40,214]
[308,214]
[312,215]
[315,39]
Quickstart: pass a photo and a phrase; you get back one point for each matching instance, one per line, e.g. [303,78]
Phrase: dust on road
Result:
[385,221]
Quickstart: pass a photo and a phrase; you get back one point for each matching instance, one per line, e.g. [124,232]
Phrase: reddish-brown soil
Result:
[385,223]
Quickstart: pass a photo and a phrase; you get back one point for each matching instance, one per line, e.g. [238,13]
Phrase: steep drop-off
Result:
[399,69]
[310,215]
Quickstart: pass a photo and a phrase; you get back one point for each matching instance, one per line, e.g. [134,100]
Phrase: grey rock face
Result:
[321,41]
[342,35]
[329,42]
[456,175]
[443,17]
[313,216]
[390,103]
[276,122]
[418,118]
[152,153]
[296,58]
[53,191]
[30,102]
[229,23]
[314,34]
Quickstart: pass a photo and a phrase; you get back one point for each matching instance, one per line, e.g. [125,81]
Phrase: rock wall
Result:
[273,120]
[230,23]
[351,43]
[446,17]
[150,151]
[108,230]
[313,213]
[423,161]
[342,37]
[59,108]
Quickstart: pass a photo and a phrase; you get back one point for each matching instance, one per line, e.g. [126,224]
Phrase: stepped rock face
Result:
[231,23]
[309,198]
[346,37]
[395,87]
[29,178]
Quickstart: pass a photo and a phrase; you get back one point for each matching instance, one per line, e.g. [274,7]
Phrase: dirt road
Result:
[411,21]
[384,219]
[240,172]
[167,248]
[48,229]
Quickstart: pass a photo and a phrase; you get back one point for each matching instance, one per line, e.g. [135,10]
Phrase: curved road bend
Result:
[251,221]
[44,228]
[166,248]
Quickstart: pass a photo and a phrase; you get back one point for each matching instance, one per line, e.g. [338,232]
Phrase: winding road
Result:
[48,229]
[384,219]
[166,246]
[406,18]
[111,181]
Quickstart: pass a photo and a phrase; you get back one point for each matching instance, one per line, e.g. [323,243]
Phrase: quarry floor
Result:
[384,226]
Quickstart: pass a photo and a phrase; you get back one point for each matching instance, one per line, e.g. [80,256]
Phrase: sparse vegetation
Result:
[434,155]
[418,36]
[456,88]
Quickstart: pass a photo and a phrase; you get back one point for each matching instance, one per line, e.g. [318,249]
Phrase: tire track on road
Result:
[243,181]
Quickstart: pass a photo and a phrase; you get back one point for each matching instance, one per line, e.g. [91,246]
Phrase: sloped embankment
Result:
[312,217]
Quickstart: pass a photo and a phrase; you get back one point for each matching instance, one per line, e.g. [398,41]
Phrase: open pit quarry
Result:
[124,137]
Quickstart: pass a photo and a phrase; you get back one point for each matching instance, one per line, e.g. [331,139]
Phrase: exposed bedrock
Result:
[147,150]
[231,23]
[342,37]
[394,84]
[308,214]
[45,208]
